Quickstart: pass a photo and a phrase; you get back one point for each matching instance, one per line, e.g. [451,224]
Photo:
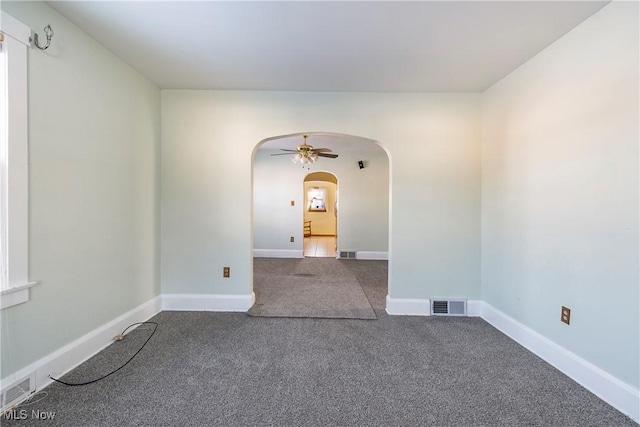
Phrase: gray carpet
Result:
[230,369]
[310,287]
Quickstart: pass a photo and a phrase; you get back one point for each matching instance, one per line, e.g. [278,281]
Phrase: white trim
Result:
[474,308]
[207,302]
[422,307]
[295,253]
[278,253]
[17,288]
[408,307]
[71,355]
[15,204]
[372,255]
[18,164]
[14,298]
[615,392]
[14,28]
[15,295]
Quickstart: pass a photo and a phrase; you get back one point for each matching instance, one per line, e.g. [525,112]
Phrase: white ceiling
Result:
[416,46]
[356,46]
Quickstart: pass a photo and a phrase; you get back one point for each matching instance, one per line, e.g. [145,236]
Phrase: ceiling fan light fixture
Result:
[306,154]
[304,158]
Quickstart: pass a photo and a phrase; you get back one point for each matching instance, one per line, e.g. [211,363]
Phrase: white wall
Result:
[560,192]
[363,193]
[94,127]
[363,201]
[559,196]
[208,139]
[277,181]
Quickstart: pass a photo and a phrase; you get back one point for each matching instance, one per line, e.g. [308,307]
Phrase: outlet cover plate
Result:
[565,315]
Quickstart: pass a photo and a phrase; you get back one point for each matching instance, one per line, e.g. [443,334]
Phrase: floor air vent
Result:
[17,392]
[442,307]
[347,254]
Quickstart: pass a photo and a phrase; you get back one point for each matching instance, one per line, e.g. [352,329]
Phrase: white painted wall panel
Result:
[432,140]
[94,126]
[560,192]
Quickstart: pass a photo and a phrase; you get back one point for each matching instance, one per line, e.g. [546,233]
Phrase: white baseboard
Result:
[73,354]
[295,253]
[278,253]
[618,394]
[422,307]
[408,307]
[615,392]
[372,255]
[207,302]
[474,308]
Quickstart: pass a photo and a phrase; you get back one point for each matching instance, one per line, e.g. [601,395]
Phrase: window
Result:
[316,197]
[14,283]
[3,163]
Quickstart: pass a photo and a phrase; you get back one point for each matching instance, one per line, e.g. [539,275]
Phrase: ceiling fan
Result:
[306,154]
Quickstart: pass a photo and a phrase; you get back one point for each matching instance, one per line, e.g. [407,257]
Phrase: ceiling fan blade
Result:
[322,150]
[327,155]
[291,151]
[281,154]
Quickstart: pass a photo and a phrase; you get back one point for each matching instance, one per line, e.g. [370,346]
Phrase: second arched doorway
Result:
[320,213]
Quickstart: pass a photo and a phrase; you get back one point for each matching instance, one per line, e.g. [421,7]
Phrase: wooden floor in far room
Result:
[320,246]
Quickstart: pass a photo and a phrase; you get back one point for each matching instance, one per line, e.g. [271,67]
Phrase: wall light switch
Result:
[226,272]
[291,239]
[293,203]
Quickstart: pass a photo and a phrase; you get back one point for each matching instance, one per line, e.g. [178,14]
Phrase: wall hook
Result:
[48,32]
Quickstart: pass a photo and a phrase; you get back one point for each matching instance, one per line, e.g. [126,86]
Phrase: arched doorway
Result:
[278,202]
[320,215]
[362,170]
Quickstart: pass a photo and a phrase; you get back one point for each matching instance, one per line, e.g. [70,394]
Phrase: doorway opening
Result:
[286,280]
[320,215]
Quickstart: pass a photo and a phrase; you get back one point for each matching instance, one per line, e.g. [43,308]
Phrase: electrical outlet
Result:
[226,272]
[291,239]
[565,315]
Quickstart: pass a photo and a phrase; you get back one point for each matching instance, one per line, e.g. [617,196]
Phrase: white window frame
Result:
[15,180]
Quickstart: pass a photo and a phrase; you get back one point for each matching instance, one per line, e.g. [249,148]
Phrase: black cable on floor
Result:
[127,362]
